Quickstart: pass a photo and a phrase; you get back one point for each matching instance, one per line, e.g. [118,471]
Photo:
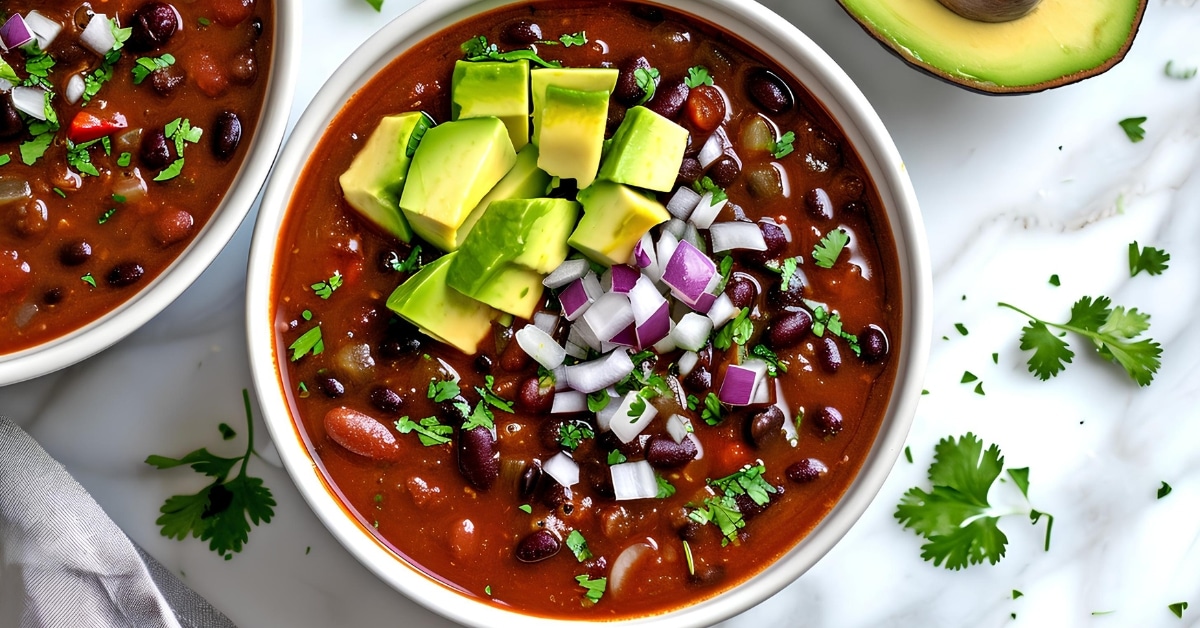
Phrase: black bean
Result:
[556,495]
[689,531]
[855,207]
[152,25]
[788,330]
[806,470]
[874,343]
[478,457]
[707,574]
[750,508]
[662,452]
[125,274]
[648,13]
[818,203]
[769,91]
[776,241]
[824,151]
[616,115]
[243,69]
[627,90]
[790,296]
[330,385]
[386,399]
[724,171]
[531,397]
[53,296]
[741,291]
[483,363]
[538,546]
[690,170]
[166,80]
[10,121]
[388,260]
[609,441]
[399,347]
[764,426]
[829,355]
[522,32]
[75,253]
[155,151]
[226,134]
[598,477]
[851,187]
[828,421]
[669,98]
[698,380]
[451,410]
[527,484]
[256,25]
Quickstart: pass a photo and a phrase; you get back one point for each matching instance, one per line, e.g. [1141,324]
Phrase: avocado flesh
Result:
[615,217]
[479,89]
[579,79]
[439,311]
[572,138]
[647,150]
[1059,42]
[525,180]
[373,182]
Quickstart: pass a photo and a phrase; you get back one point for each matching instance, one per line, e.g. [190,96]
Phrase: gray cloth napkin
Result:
[63,562]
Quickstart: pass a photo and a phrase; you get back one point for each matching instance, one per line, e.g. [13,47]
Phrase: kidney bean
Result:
[724,171]
[699,380]
[14,272]
[827,420]
[819,204]
[478,457]
[531,397]
[555,495]
[706,107]
[172,225]
[166,80]
[30,219]
[874,344]
[750,508]
[154,150]
[788,330]
[690,170]
[741,291]
[75,253]
[125,274]
[627,90]
[851,187]
[53,296]
[386,400]
[361,434]
[513,358]
[227,134]
[522,33]
[805,471]
[669,98]
[769,91]
[152,26]
[243,68]
[231,12]
[662,452]
[707,574]
[790,296]
[764,426]
[10,121]
[530,480]
[329,385]
[538,546]
[829,355]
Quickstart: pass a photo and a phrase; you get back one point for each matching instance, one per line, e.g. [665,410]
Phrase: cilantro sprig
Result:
[572,435]
[578,546]
[1147,258]
[647,81]
[478,49]
[325,289]
[145,66]
[697,76]
[218,513]
[826,253]
[955,518]
[429,430]
[1133,128]
[181,132]
[783,146]
[1112,330]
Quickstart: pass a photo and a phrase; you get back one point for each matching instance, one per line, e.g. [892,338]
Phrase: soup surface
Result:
[146,112]
[463,462]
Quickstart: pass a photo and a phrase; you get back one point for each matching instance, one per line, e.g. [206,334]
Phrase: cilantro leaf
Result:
[738,331]
[145,66]
[705,184]
[478,49]
[442,390]
[598,401]
[1150,259]
[747,481]
[665,488]
[697,76]
[1164,490]
[783,146]
[571,435]
[1133,128]
[830,247]
[429,430]
[480,417]
[787,271]
[223,512]
[1177,608]
[616,457]
[490,397]
[576,39]
[647,81]
[1181,74]
[32,150]
[308,342]
[721,511]
[324,289]
[376,4]
[711,413]
[595,588]
[578,546]
[411,263]
[774,366]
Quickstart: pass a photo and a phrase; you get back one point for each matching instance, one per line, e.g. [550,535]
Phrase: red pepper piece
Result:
[87,127]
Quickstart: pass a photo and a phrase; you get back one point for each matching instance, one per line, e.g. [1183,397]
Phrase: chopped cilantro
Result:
[979,389]
[309,342]
[1133,128]
[1016,594]
[774,366]
[443,390]
[962,329]
[908,454]
[595,588]
[7,73]
[711,413]
[89,280]
[525,508]
[787,271]
[227,433]
[478,49]
[747,481]
[37,69]
[490,397]
[830,247]
[598,400]
[968,377]
[697,76]
[576,39]
[32,150]
[1178,608]
[1164,490]
[375,4]
[1055,281]
[306,315]
[722,511]
[411,263]
[480,417]
[705,184]
[58,191]
[145,66]
[665,488]
[203,21]
[1181,74]
[571,435]
[429,430]
[1147,258]
[783,146]
[181,132]
[647,81]
[124,160]
[324,289]
[616,457]
[106,215]
[637,408]
[578,546]
[738,331]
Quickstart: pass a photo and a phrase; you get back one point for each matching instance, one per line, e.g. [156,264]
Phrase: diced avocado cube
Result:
[374,180]
[456,164]
[479,89]
[615,217]
[440,312]
[646,152]
[572,139]
[525,180]
[581,79]
[514,244]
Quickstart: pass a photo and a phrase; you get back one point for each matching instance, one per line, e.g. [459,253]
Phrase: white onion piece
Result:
[98,35]
[699,447]
[566,272]
[678,427]
[683,202]
[665,248]
[763,390]
[546,321]
[31,101]
[667,343]
[687,362]
[5,86]
[727,236]
[741,382]
[633,480]
[130,186]
[15,33]
[575,350]
[588,377]
[690,273]
[624,564]
[643,252]
[562,468]
[627,423]
[789,428]
[619,278]
[722,311]
[583,335]
[541,346]
[560,379]
[609,315]
[706,211]
[75,87]
[691,331]
[569,401]
[44,28]
[712,150]
[580,295]
[14,189]
[675,227]
[605,415]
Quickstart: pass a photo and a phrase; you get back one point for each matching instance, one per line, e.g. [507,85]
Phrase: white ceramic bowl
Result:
[849,108]
[155,296]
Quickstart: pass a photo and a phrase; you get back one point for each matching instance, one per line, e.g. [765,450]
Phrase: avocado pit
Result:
[991,10]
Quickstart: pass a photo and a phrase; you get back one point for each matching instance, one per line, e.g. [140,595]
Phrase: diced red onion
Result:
[579,296]
[664,248]
[31,101]
[691,332]
[605,415]
[567,272]
[789,427]
[651,313]
[75,87]
[98,35]
[683,202]
[706,300]
[626,337]
[679,426]
[689,272]
[541,346]
[625,426]
[722,311]
[610,314]
[15,33]
[44,28]
[619,278]
[643,252]
[568,401]
[686,362]
[562,468]
[741,382]
[727,236]
[706,211]
[712,150]
[546,321]
[588,377]
[633,480]
[667,343]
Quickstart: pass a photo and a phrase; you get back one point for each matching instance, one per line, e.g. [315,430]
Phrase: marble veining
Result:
[1013,190]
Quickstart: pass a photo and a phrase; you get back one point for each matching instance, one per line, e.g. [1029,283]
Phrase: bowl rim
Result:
[152,298]
[874,145]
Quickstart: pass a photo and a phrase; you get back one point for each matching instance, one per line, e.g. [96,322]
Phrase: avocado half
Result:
[1058,43]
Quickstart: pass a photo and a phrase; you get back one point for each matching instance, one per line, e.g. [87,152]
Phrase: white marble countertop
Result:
[1013,190]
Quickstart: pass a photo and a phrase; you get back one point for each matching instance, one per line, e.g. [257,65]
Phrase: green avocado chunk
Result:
[440,312]
[525,180]
[572,138]
[579,79]
[373,182]
[510,250]
[647,150]
[615,217]
[479,89]
[456,164]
